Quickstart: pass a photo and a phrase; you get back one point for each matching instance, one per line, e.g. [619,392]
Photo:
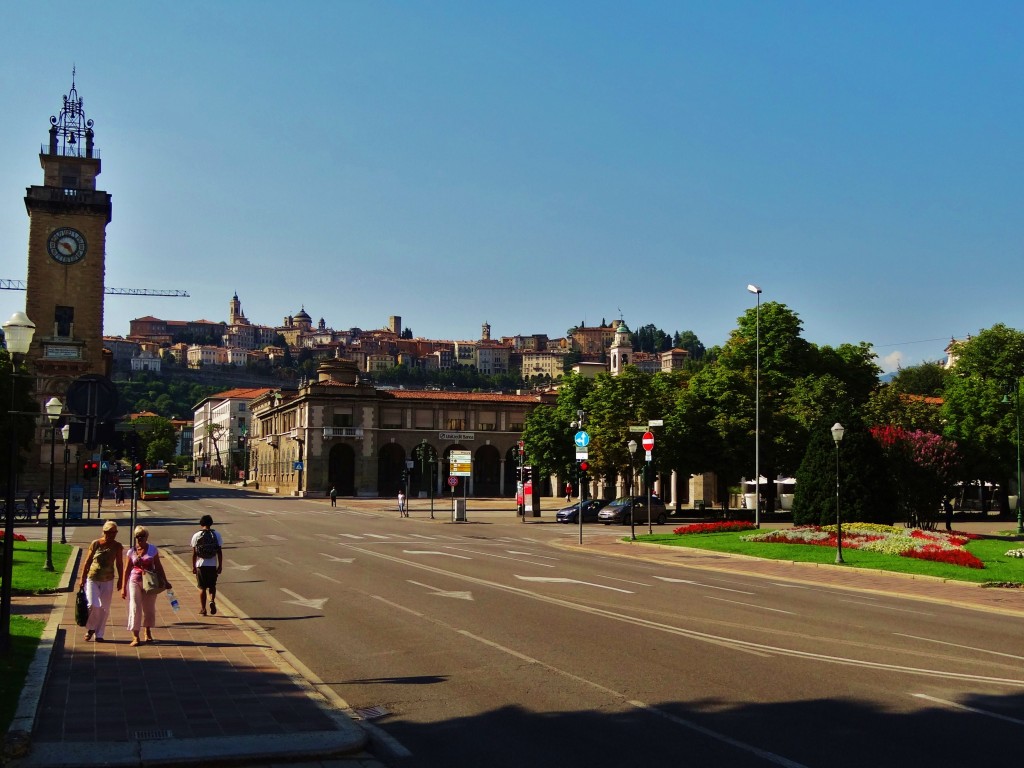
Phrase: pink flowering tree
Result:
[923,467]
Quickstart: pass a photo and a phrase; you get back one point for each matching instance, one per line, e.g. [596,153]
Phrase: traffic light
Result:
[527,474]
[582,467]
[87,470]
[137,474]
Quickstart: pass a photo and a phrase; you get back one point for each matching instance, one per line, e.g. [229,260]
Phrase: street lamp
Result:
[65,432]
[581,415]
[837,435]
[1016,408]
[632,485]
[245,454]
[53,409]
[18,332]
[757,406]
[433,464]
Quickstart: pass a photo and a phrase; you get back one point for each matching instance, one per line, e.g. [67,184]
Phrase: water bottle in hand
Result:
[175,605]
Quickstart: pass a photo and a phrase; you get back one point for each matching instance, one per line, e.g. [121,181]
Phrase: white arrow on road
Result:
[432,552]
[443,592]
[334,559]
[555,580]
[699,584]
[237,566]
[317,604]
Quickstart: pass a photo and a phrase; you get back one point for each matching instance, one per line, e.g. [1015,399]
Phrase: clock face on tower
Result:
[66,246]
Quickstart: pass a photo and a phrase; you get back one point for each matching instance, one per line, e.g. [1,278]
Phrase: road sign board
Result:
[648,456]
[461,463]
[582,454]
[453,481]
[647,441]
[656,423]
[582,439]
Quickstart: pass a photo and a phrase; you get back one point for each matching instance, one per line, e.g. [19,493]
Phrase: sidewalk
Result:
[211,690]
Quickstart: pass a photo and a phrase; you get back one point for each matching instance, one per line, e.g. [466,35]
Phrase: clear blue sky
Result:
[539,164]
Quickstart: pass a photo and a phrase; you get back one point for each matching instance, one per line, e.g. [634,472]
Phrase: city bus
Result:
[156,484]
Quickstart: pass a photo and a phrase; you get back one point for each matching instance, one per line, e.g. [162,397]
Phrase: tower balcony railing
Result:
[330,432]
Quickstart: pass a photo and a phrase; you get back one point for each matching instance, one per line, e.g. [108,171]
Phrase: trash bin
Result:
[459,511]
[699,506]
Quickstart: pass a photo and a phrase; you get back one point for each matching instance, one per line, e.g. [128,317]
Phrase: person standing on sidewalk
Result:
[143,556]
[207,562]
[103,562]
[334,496]
[401,505]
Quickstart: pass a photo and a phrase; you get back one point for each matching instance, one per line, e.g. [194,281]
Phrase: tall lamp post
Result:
[757,406]
[1016,408]
[837,435]
[65,432]
[433,464]
[245,454]
[18,332]
[53,410]
[631,445]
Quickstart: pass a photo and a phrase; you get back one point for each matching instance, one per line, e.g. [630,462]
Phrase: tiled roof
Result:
[241,393]
[405,394]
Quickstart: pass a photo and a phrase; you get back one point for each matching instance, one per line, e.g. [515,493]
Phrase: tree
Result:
[923,467]
[156,439]
[547,434]
[688,340]
[926,379]
[865,488]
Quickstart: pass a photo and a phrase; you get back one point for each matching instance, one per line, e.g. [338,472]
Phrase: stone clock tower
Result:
[68,217]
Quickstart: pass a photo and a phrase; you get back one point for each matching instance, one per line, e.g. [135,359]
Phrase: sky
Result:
[536,164]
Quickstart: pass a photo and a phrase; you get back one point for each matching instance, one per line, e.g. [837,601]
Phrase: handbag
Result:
[81,608]
[152,584]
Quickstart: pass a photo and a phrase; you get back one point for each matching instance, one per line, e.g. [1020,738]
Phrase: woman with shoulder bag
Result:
[102,564]
[143,558]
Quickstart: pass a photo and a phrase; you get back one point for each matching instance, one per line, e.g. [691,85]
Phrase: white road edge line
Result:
[965,708]
[957,645]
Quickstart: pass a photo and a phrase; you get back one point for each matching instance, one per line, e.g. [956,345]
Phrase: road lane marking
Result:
[377,536]
[237,566]
[351,536]
[957,645]
[327,578]
[531,554]
[889,608]
[500,557]
[749,605]
[701,584]
[336,559]
[432,552]
[624,581]
[444,592]
[316,603]
[286,562]
[275,537]
[556,580]
[965,708]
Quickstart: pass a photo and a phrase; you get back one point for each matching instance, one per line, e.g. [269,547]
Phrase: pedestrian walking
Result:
[104,562]
[30,505]
[143,557]
[118,495]
[401,505]
[568,491]
[207,562]
[334,496]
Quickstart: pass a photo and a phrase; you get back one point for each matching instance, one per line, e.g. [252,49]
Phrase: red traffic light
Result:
[584,466]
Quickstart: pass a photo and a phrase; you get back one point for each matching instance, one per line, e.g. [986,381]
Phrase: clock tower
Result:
[68,217]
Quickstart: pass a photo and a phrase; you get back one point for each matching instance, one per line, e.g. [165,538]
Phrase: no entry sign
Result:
[648,441]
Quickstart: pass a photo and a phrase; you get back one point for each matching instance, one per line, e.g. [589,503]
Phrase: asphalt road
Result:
[482,644]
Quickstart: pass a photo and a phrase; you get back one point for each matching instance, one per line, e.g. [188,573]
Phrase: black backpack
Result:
[206,547]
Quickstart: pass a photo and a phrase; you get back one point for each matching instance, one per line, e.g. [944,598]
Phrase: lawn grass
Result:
[998,567]
[27,578]
[25,634]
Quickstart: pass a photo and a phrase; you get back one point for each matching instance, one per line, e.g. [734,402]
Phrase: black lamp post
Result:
[632,484]
[65,432]
[1016,408]
[53,409]
[18,332]
[245,455]
[837,435]
[433,463]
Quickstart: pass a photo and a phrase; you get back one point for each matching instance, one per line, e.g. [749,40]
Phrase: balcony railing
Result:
[330,432]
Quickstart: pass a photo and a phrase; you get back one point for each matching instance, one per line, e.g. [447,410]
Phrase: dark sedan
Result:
[570,514]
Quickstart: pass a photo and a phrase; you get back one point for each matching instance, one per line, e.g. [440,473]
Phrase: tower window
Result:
[64,320]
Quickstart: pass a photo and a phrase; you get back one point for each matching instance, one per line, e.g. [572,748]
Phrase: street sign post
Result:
[648,441]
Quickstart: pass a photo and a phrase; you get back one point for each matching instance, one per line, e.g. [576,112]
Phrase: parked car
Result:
[634,508]
[570,514]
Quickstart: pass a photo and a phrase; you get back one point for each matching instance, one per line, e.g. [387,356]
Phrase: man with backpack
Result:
[207,562]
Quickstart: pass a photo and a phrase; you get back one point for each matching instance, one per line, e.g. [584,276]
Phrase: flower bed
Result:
[17,536]
[887,539]
[720,527]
